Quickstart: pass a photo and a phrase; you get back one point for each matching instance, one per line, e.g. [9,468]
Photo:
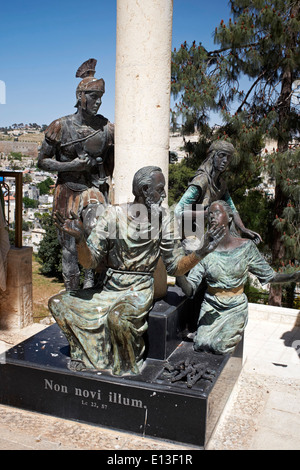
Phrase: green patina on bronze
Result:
[105,327]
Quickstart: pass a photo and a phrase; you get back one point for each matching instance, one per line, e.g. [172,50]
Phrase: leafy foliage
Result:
[260,42]
[285,170]
[44,186]
[28,202]
[49,253]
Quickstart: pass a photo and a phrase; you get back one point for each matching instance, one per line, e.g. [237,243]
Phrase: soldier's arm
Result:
[50,148]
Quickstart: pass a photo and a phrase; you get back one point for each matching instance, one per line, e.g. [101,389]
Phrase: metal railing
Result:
[18,175]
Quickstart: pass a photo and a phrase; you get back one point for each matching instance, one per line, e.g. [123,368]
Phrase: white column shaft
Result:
[143,75]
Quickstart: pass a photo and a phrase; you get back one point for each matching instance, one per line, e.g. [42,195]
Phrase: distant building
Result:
[46,199]
[31,191]
[37,236]
[26,148]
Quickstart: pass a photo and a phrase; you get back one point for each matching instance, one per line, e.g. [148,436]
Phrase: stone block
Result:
[16,310]
[288,316]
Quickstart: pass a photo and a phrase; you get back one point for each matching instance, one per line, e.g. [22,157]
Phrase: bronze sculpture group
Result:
[105,324]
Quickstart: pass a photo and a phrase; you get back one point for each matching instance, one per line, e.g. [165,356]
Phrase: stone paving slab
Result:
[263,412]
[21,429]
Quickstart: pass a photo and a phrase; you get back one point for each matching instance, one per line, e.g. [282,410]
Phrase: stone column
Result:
[142,109]
[143,76]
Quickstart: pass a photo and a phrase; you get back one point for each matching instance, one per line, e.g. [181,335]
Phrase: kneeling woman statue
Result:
[224,311]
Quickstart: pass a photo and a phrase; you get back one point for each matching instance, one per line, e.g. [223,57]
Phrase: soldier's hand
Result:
[83,163]
[72,225]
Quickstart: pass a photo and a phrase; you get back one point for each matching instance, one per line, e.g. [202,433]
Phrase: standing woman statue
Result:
[208,185]
[79,147]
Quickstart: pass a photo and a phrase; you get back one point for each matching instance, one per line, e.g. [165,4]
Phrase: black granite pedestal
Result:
[34,376]
[168,323]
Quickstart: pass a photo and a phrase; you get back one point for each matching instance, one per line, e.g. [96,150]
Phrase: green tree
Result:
[261,42]
[49,253]
[27,178]
[30,203]
[15,156]
[44,186]
[179,175]
[26,226]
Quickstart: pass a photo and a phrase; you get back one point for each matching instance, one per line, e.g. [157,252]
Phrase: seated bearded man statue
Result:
[105,326]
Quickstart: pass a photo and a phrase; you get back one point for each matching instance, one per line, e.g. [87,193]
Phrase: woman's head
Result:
[220,213]
[221,153]
[218,157]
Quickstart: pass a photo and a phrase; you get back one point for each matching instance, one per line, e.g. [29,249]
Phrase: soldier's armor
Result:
[66,140]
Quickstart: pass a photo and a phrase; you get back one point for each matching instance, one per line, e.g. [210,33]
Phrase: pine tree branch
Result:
[250,90]
[228,48]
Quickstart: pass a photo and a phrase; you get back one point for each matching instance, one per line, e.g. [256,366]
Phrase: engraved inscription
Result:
[93,397]
[49,384]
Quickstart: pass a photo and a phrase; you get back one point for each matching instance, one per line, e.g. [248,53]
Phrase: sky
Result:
[43,43]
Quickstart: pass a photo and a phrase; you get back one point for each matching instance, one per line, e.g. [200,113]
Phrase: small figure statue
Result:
[208,186]
[105,326]
[224,311]
[79,147]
